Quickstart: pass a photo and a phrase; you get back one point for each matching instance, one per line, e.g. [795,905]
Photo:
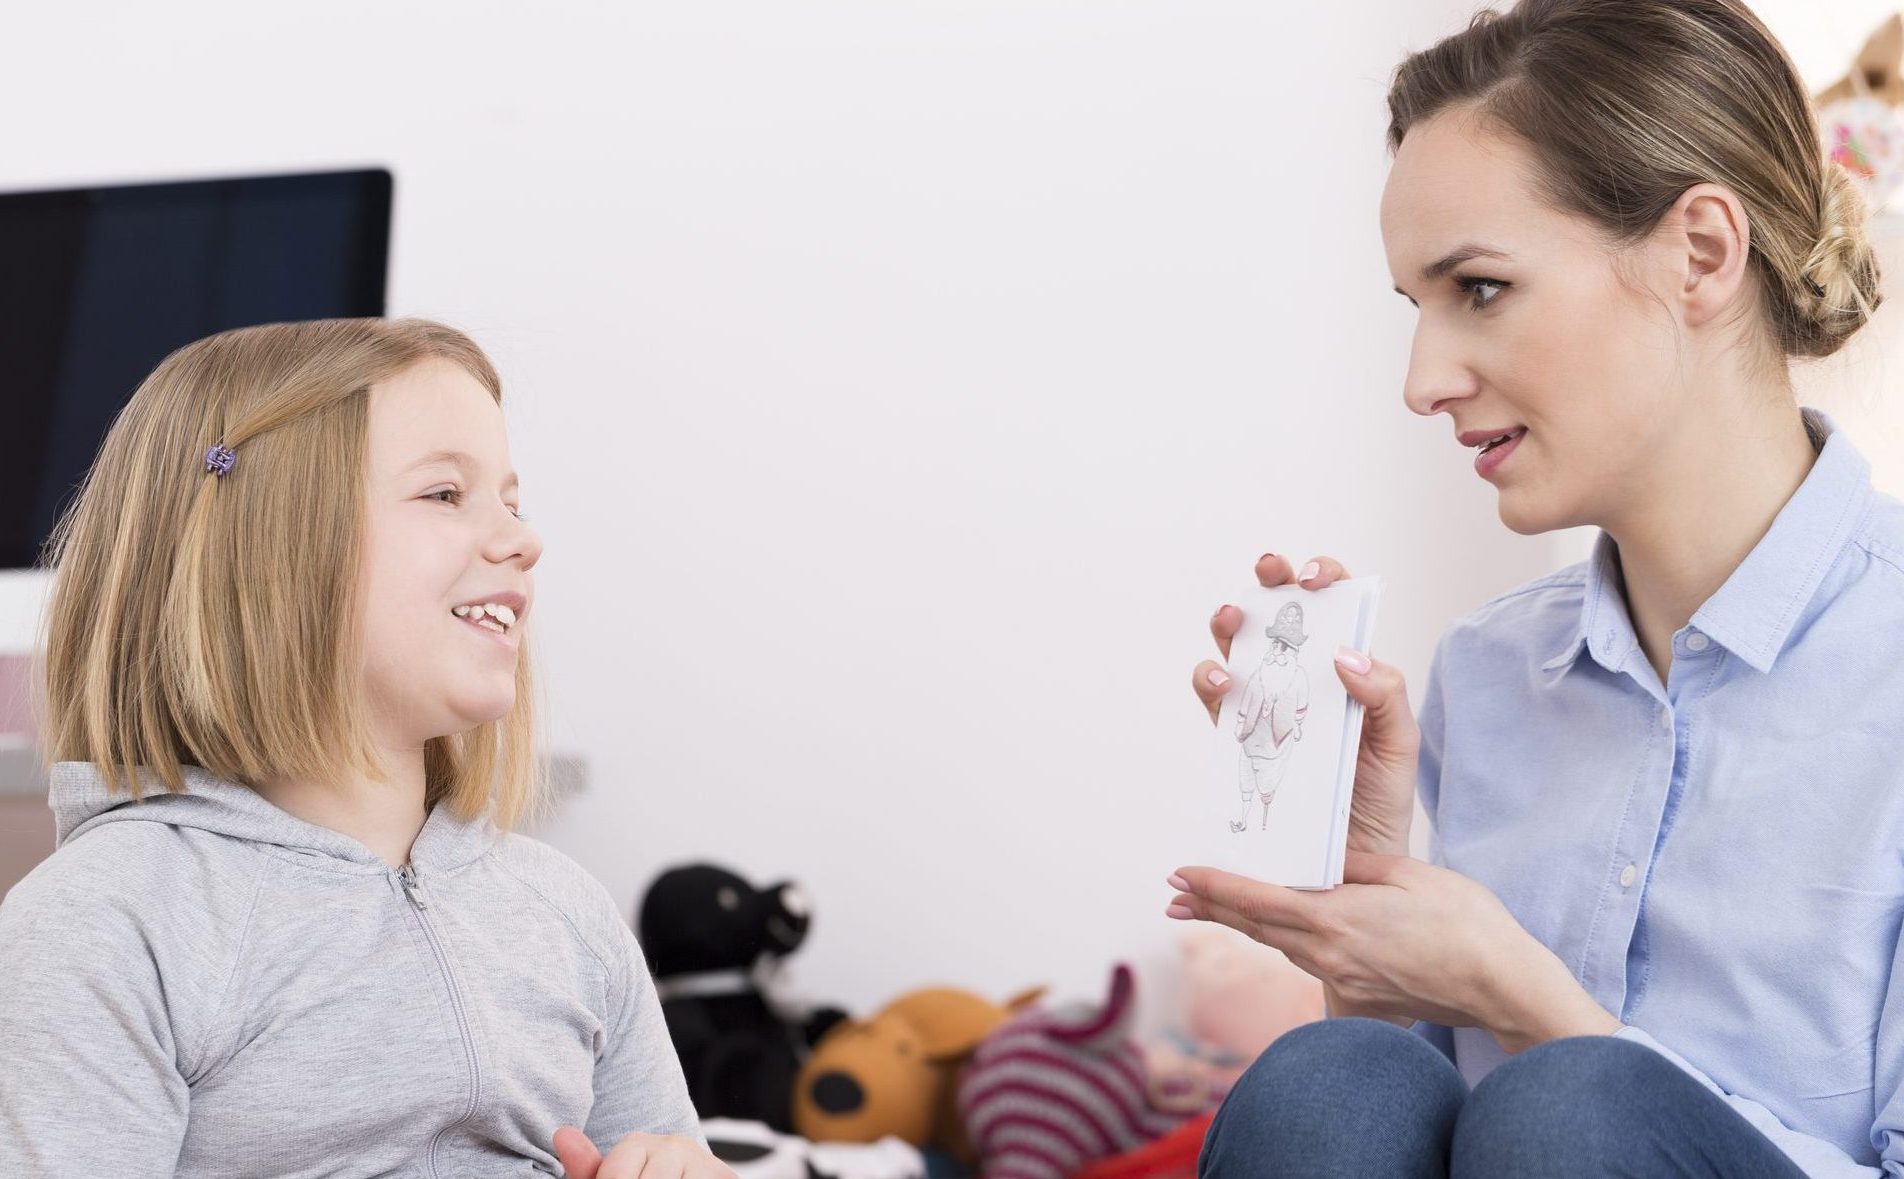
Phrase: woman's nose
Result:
[1438,375]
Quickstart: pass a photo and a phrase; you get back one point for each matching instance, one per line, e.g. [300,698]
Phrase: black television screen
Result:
[97,285]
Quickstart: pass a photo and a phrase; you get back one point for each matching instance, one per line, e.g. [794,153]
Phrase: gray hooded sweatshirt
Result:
[203,985]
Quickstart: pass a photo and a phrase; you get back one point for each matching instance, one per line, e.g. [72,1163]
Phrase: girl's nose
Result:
[515,540]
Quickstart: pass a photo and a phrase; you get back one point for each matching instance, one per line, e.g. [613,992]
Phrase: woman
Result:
[1659,932]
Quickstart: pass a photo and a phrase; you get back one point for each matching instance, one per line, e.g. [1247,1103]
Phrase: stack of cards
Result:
[1277,805]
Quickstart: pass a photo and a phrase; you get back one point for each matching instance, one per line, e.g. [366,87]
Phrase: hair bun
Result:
[1838,283]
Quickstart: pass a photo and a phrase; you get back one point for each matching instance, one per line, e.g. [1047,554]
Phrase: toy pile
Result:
[944,1083]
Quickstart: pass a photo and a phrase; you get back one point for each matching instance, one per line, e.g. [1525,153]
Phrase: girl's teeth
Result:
[496,617]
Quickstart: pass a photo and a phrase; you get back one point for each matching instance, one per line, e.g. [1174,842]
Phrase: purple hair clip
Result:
[218,460]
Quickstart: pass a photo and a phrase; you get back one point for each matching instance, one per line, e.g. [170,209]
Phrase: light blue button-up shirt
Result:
[1719,859]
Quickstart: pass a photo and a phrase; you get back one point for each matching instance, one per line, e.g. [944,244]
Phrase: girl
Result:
[1660,932]
[287,694]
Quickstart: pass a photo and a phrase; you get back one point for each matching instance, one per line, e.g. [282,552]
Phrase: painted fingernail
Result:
[1265,557]
[1179,912]
[1179,883]
[1217,678]
[1309,571]
[1354,660]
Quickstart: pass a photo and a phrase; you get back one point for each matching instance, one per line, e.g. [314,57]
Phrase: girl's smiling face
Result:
[443,537]
[1527,330]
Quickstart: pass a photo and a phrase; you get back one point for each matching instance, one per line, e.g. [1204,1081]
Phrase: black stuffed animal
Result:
[711,939]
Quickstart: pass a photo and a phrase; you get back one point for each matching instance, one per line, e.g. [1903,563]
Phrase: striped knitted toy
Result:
[1052,1090]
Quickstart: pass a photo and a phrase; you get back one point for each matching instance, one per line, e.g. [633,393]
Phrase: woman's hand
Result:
[638,1156]
[1383,807]
[1402,940]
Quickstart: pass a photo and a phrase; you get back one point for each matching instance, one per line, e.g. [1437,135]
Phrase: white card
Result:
[1277,805]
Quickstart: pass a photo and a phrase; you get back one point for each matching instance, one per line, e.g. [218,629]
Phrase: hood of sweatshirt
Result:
[204,964]
[82,803]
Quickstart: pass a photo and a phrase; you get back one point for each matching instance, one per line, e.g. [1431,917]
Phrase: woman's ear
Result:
[1709,239]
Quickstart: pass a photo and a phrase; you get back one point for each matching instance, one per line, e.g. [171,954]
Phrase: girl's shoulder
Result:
[132,917]
[552,878]
[136,874]
[546,869]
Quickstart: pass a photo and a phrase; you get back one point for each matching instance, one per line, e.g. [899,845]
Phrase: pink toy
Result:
[1239,996]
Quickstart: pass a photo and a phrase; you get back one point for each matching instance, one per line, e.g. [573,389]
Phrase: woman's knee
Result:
[1577,1097]
[1322,1063]
[1343,1096]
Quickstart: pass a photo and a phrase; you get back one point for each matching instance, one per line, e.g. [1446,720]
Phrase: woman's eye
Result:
[1474,286]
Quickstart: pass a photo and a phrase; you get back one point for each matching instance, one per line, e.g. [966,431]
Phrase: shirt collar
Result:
[1604,629]
[1753,613]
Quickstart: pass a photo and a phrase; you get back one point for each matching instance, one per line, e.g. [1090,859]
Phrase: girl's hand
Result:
[638,1156]
[1401,940]
[1383,806]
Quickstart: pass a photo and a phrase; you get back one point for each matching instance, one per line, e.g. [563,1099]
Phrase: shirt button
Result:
[1697,642]
[1666,718]
[1628,875]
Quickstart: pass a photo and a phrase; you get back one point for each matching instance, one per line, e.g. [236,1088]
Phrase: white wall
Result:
[898,387]
[974,356]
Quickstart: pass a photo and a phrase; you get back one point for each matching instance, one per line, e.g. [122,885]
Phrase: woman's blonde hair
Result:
[1625,104]
[209,620]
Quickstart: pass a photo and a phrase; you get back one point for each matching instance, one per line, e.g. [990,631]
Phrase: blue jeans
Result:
[1361,1097]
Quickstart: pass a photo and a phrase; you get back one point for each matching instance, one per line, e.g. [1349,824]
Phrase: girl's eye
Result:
[453,496]
[1474,284]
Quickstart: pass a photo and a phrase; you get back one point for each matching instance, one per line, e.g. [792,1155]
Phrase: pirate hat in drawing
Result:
[1288,625]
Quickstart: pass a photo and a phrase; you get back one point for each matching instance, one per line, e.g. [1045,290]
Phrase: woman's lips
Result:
[1490,460]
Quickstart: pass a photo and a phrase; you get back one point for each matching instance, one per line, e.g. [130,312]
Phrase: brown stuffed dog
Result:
[896,1073]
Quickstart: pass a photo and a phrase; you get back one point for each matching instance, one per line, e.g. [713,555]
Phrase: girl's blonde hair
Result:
[210,620]
[1626,104]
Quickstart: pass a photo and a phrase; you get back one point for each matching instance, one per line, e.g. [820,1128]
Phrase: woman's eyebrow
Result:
[1456,257]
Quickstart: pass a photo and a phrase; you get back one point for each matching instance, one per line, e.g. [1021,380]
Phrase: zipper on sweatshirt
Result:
[413,891]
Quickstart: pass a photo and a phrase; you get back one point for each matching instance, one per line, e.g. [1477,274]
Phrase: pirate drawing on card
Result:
[1269,716]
